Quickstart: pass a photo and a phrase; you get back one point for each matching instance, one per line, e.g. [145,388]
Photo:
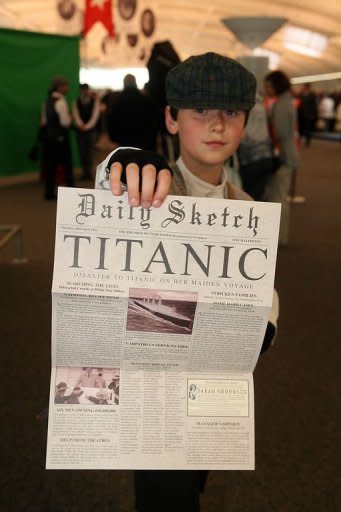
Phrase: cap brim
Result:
[211,104]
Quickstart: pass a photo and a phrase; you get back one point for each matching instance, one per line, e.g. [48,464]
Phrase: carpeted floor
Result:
[297,383]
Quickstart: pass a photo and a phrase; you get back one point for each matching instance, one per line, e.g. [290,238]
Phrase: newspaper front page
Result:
[158,317]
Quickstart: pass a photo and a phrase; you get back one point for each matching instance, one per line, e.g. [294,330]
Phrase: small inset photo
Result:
[148,22]
[163,311]
[87,385]
[126,8]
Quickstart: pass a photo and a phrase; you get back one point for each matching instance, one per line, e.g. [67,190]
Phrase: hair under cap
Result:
[211,81]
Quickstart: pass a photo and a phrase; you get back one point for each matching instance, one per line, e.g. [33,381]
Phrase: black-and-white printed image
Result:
[147,22]
[163,311]
[126,8]
[192,391]
[66,9]
[87,385]
[132,39]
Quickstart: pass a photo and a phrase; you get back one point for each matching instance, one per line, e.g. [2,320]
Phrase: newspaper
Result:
[158,317]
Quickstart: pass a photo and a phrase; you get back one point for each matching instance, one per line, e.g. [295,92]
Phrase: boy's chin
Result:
[212,151]
[217,158]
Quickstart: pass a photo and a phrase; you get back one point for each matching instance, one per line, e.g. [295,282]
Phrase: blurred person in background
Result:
[86,113]
[307,113]
[338,118]
[56,121]
[326,110]
[283,124]
[133,119]
[255,152]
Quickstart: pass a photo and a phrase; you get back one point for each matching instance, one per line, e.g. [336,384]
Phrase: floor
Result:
[297,383]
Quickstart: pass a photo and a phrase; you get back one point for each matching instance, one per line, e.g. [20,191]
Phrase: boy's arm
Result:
[146,174]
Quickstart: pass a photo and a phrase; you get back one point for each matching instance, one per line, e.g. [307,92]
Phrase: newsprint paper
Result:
[158,317]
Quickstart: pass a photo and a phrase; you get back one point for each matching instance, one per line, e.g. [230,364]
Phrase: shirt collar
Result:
[57,94]
[199,188]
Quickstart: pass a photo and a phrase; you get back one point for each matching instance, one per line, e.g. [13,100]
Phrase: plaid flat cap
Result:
[211,81]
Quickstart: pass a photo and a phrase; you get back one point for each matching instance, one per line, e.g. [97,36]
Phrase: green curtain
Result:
[28,62]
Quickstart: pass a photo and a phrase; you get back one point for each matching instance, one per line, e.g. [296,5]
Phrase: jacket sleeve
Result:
[271,329]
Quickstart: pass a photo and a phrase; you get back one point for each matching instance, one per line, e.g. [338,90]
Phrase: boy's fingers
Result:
[154,185]
[115,178]
[164,180]
[148,185]
[133,181]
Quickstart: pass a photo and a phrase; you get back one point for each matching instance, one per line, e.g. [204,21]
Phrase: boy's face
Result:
[207,137]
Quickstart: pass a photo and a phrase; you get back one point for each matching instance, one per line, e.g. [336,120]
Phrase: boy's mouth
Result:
[215,143]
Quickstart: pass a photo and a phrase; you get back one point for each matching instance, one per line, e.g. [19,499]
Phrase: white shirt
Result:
[62,109]
[326,108]
[199,188]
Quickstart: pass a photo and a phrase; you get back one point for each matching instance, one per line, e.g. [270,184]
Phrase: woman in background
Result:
[283,124]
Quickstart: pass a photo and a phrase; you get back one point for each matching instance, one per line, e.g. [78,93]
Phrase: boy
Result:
[209,97]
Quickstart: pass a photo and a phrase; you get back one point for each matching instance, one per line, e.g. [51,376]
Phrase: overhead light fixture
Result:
[304,41]
[103,78]
[323,77]
[274,58]
[252,31]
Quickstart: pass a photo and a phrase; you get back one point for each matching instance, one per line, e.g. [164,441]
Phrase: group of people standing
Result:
[317,112]
[132,118]
[56,122]
[268,156]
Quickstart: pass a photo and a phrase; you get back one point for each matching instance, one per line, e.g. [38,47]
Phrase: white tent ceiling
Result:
[193,26]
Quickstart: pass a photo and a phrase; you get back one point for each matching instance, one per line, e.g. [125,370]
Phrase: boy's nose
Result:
[217,121]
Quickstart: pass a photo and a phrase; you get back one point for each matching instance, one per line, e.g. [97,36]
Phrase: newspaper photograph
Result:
[158,318]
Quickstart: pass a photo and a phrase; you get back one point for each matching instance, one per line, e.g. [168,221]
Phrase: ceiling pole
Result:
[252,32]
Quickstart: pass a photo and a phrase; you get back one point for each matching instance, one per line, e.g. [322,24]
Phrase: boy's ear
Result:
[171,124]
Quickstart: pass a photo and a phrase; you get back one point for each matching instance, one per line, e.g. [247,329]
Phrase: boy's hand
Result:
[146,174]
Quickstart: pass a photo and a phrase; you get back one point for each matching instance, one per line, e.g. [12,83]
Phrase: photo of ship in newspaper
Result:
[163,311]
[87,386]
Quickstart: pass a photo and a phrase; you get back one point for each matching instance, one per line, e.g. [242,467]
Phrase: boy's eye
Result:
[231,113]
[201,111]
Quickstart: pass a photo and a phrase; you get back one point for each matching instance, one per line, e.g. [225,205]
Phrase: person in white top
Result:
[337,127]
[326,110]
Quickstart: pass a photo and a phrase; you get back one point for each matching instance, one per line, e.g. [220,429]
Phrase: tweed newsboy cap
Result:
[210,81]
